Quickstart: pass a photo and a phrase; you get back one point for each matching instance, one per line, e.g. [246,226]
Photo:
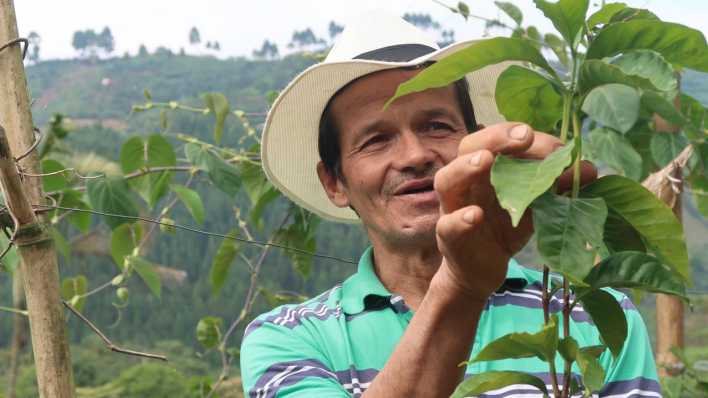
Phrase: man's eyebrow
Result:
[438,112]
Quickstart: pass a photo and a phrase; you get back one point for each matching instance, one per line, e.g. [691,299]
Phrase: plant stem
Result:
[566,333]
[554,377]
[545,297]
[579,151]
[566,117]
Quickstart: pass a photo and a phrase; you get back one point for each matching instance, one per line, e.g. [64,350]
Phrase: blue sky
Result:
[240,26]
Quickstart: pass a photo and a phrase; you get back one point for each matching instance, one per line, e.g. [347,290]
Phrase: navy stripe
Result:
[627,386]
[291,316]
[285,374]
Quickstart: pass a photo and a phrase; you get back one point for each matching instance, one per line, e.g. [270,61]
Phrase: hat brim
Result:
[289,146]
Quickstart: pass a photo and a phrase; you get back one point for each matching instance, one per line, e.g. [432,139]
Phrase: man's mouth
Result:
[412,187]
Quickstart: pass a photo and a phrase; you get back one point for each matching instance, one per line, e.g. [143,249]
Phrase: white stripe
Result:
[643,393]
[261,392]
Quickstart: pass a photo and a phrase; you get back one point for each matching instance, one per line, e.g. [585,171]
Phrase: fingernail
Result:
[475,159]
[469,216]
[519,132]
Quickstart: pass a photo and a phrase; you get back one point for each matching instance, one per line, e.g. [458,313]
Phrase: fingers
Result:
[465,176]
[453,230]
[588,174]
[509,138]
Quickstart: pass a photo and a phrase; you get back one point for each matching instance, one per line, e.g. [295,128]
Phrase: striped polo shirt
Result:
[335,344]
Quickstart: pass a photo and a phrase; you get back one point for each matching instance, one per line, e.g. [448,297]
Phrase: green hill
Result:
[99,96]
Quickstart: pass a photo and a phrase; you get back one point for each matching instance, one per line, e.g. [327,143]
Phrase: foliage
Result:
[619,94]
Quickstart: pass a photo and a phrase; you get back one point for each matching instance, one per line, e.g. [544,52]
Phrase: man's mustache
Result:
[392,184]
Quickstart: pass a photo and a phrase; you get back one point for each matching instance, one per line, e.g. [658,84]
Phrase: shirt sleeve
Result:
[280,362]
[633,373]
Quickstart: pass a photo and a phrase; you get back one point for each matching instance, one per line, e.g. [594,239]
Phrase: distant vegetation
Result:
[98,94]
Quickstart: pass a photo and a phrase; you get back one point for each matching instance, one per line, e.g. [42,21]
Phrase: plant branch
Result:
[248,304]
[107,341]
[566,333]
[14,310]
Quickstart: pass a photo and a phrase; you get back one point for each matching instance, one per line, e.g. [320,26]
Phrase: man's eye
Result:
[377,139]
[436,126]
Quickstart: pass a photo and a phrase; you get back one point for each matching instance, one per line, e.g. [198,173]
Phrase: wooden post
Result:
[669,309]
[35,247]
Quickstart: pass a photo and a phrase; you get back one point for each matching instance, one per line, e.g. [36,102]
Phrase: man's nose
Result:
[413,154]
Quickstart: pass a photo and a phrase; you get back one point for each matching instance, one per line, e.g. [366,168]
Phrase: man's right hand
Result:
[474,234]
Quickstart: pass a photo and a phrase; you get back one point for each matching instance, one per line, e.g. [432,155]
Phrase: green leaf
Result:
[111,195]
[519,181]
[132,154]
[209,331]
[72,288]
[568,16]
[74,199]
[146,271]
[594,73]
[124,240]
[523,95]
[493,380]
[511,10]
[255,215]
[219,106]
[558,46]
[569,232]
[592,371]
[53,182]
[608,317]
[542,345]
[678,44]
[666,146]
[477,56]
[225,176]
[224,257]
[197,155]
[653,219]
[630,13]
[568,348]
[160,152]
[635,270]
[649,65]
[254,181]
[603,15]
[693,111]
[655,103]
[616,151]
[614,105]
[136,153]
[699,188]
[620,236]
[192,201]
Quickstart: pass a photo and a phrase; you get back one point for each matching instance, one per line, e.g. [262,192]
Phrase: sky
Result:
[241,26]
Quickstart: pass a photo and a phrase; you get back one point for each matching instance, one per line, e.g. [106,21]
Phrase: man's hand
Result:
[474,233]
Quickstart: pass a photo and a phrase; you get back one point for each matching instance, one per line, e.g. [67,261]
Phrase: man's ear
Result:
[333,186]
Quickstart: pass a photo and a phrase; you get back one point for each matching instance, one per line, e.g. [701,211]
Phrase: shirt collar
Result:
[366,283]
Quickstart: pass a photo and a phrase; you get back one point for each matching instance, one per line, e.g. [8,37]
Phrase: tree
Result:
[142,51]
[105,41]
[334,29]
[34,41]
[194,37]
[423,21]
[80,41]
[306,40]
[268,50]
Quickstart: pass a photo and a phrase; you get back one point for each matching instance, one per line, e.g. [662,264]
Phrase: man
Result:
[439,282]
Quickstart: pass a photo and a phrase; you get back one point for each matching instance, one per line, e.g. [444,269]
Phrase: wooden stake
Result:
[667,185]
[35,247]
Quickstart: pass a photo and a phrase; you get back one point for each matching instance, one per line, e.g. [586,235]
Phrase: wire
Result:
[16,41]
[199,231]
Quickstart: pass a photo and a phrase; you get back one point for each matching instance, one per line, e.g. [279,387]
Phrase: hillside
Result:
[98,97]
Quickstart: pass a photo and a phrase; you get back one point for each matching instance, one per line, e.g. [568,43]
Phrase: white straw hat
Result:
[374,42]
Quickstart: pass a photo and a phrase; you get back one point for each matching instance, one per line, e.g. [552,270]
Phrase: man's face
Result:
[389,157]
